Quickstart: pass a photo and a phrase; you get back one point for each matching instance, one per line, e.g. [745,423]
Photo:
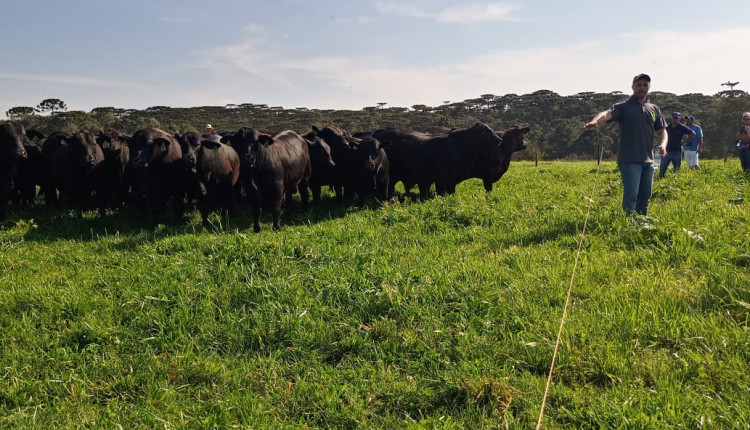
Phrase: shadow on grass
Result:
[543,233]
[53,224]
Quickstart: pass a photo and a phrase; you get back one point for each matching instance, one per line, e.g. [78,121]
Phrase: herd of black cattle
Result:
[153,170]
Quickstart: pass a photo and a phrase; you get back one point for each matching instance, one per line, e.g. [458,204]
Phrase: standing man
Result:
[638,120]
[693,147]
[743,142]
[677,135]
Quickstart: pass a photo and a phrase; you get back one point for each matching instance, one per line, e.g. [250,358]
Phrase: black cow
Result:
[190,144]
[370,169]
[273,167]
[11,153]
[156,172]
[70,164]
[323,168]
[213,169]
[420,159]
[340,144]
[243,141]
[29,169]
[492,164]
[112,186]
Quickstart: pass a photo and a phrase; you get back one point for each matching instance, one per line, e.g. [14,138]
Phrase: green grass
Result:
[418,314]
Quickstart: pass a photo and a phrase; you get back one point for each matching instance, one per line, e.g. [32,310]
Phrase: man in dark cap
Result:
[639,121]
[678,134]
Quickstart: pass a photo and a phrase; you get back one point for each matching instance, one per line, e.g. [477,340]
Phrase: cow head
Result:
[513,139]
[320,152]
[153,146]
[366,154]
[248,143]
[11,142]
[113,144]
[190,143]
[83,149]
[334,138]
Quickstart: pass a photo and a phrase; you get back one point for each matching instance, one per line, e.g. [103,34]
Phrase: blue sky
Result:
[350,54]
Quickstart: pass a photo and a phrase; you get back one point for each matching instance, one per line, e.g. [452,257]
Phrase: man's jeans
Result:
[745,159]
[637,180]
[673,157]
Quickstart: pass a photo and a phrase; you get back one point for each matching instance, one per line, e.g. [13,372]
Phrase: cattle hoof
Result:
[256,228]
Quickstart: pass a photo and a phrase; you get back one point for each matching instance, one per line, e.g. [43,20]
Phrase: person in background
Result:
[639,120]
[743,140]
[209,129]
[677,135]
[693,147]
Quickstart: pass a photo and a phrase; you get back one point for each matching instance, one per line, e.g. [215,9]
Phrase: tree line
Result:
[556,121]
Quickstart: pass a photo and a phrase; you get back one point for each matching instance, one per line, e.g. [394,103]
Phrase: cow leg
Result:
[3,206]
[487,185]
[451,188]
[50,195]
[383,189]
[277,207]
[178,204]
[424,190]
[303,193]
[256,217]
[441,186]
[338,189]
[254,198]
[315,189]
[204,208]
[227,198]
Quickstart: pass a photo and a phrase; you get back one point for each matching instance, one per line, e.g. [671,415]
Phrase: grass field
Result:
[433,314]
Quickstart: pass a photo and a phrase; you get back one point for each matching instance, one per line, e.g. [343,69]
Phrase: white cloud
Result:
[465,14]
[253,70]
[469,14]
[401,8]
[592,66]
[83,81]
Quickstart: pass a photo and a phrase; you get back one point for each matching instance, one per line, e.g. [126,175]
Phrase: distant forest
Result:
[556,121]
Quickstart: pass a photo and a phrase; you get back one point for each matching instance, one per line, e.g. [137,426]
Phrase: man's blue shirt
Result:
[693,144]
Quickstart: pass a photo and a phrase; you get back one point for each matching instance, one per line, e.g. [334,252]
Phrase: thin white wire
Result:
[567,303]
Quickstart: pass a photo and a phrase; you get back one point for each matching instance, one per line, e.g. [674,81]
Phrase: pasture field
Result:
[417,314]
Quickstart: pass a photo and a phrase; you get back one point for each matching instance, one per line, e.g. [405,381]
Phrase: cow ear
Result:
[265,140]
[162,143]
[33,134]
[210,144]
[525,130]
[315,129]
[226,139]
